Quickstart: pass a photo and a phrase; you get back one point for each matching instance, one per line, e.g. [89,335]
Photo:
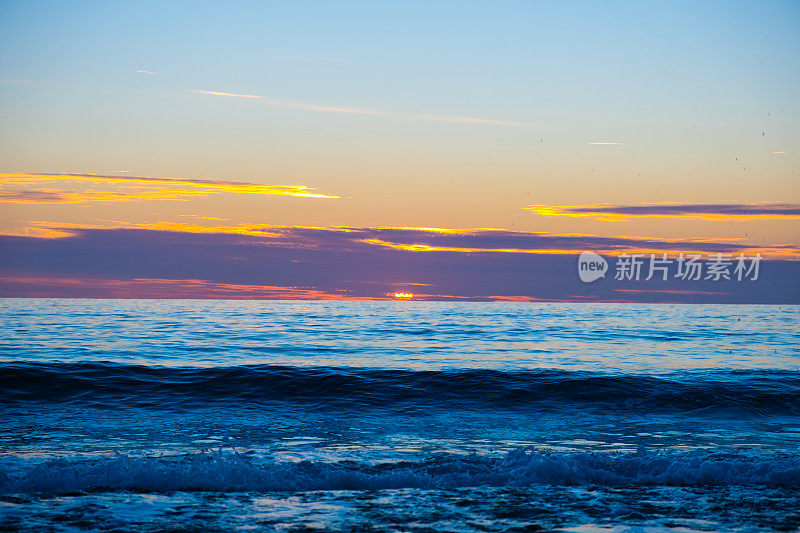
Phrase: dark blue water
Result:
[212,415]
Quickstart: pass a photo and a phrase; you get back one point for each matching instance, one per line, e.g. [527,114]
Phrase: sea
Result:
[211,415]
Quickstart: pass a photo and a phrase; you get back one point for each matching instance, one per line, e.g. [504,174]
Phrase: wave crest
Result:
[755,392]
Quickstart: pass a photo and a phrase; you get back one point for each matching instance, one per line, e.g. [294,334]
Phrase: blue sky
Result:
[638,73]
[414,114]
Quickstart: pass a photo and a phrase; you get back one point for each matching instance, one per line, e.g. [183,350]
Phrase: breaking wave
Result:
[218,471]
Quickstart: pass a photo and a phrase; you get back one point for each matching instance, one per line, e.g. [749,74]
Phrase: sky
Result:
[300,133]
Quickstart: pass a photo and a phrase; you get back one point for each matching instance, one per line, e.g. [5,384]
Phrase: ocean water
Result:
[193,415]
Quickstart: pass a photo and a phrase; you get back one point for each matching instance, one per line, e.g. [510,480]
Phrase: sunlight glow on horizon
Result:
[403,295]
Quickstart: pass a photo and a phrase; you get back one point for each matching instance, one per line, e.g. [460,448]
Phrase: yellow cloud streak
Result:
[564,211]
[45,229]
[776,252]
[62,228]
[459,249]
[199,188]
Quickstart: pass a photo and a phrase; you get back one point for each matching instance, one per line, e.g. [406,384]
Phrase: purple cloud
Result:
[346,263]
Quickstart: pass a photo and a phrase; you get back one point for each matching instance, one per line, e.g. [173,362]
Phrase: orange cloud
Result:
[25,188]
[522,299]
[169,288]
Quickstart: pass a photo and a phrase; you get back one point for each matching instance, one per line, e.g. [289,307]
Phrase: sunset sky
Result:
[288,147]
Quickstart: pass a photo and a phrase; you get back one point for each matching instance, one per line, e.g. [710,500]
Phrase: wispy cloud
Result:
[140,71]
[204,217]
[219,93]
[308,106]
[468,120]
[30,188]
[612,213]
[324,108]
